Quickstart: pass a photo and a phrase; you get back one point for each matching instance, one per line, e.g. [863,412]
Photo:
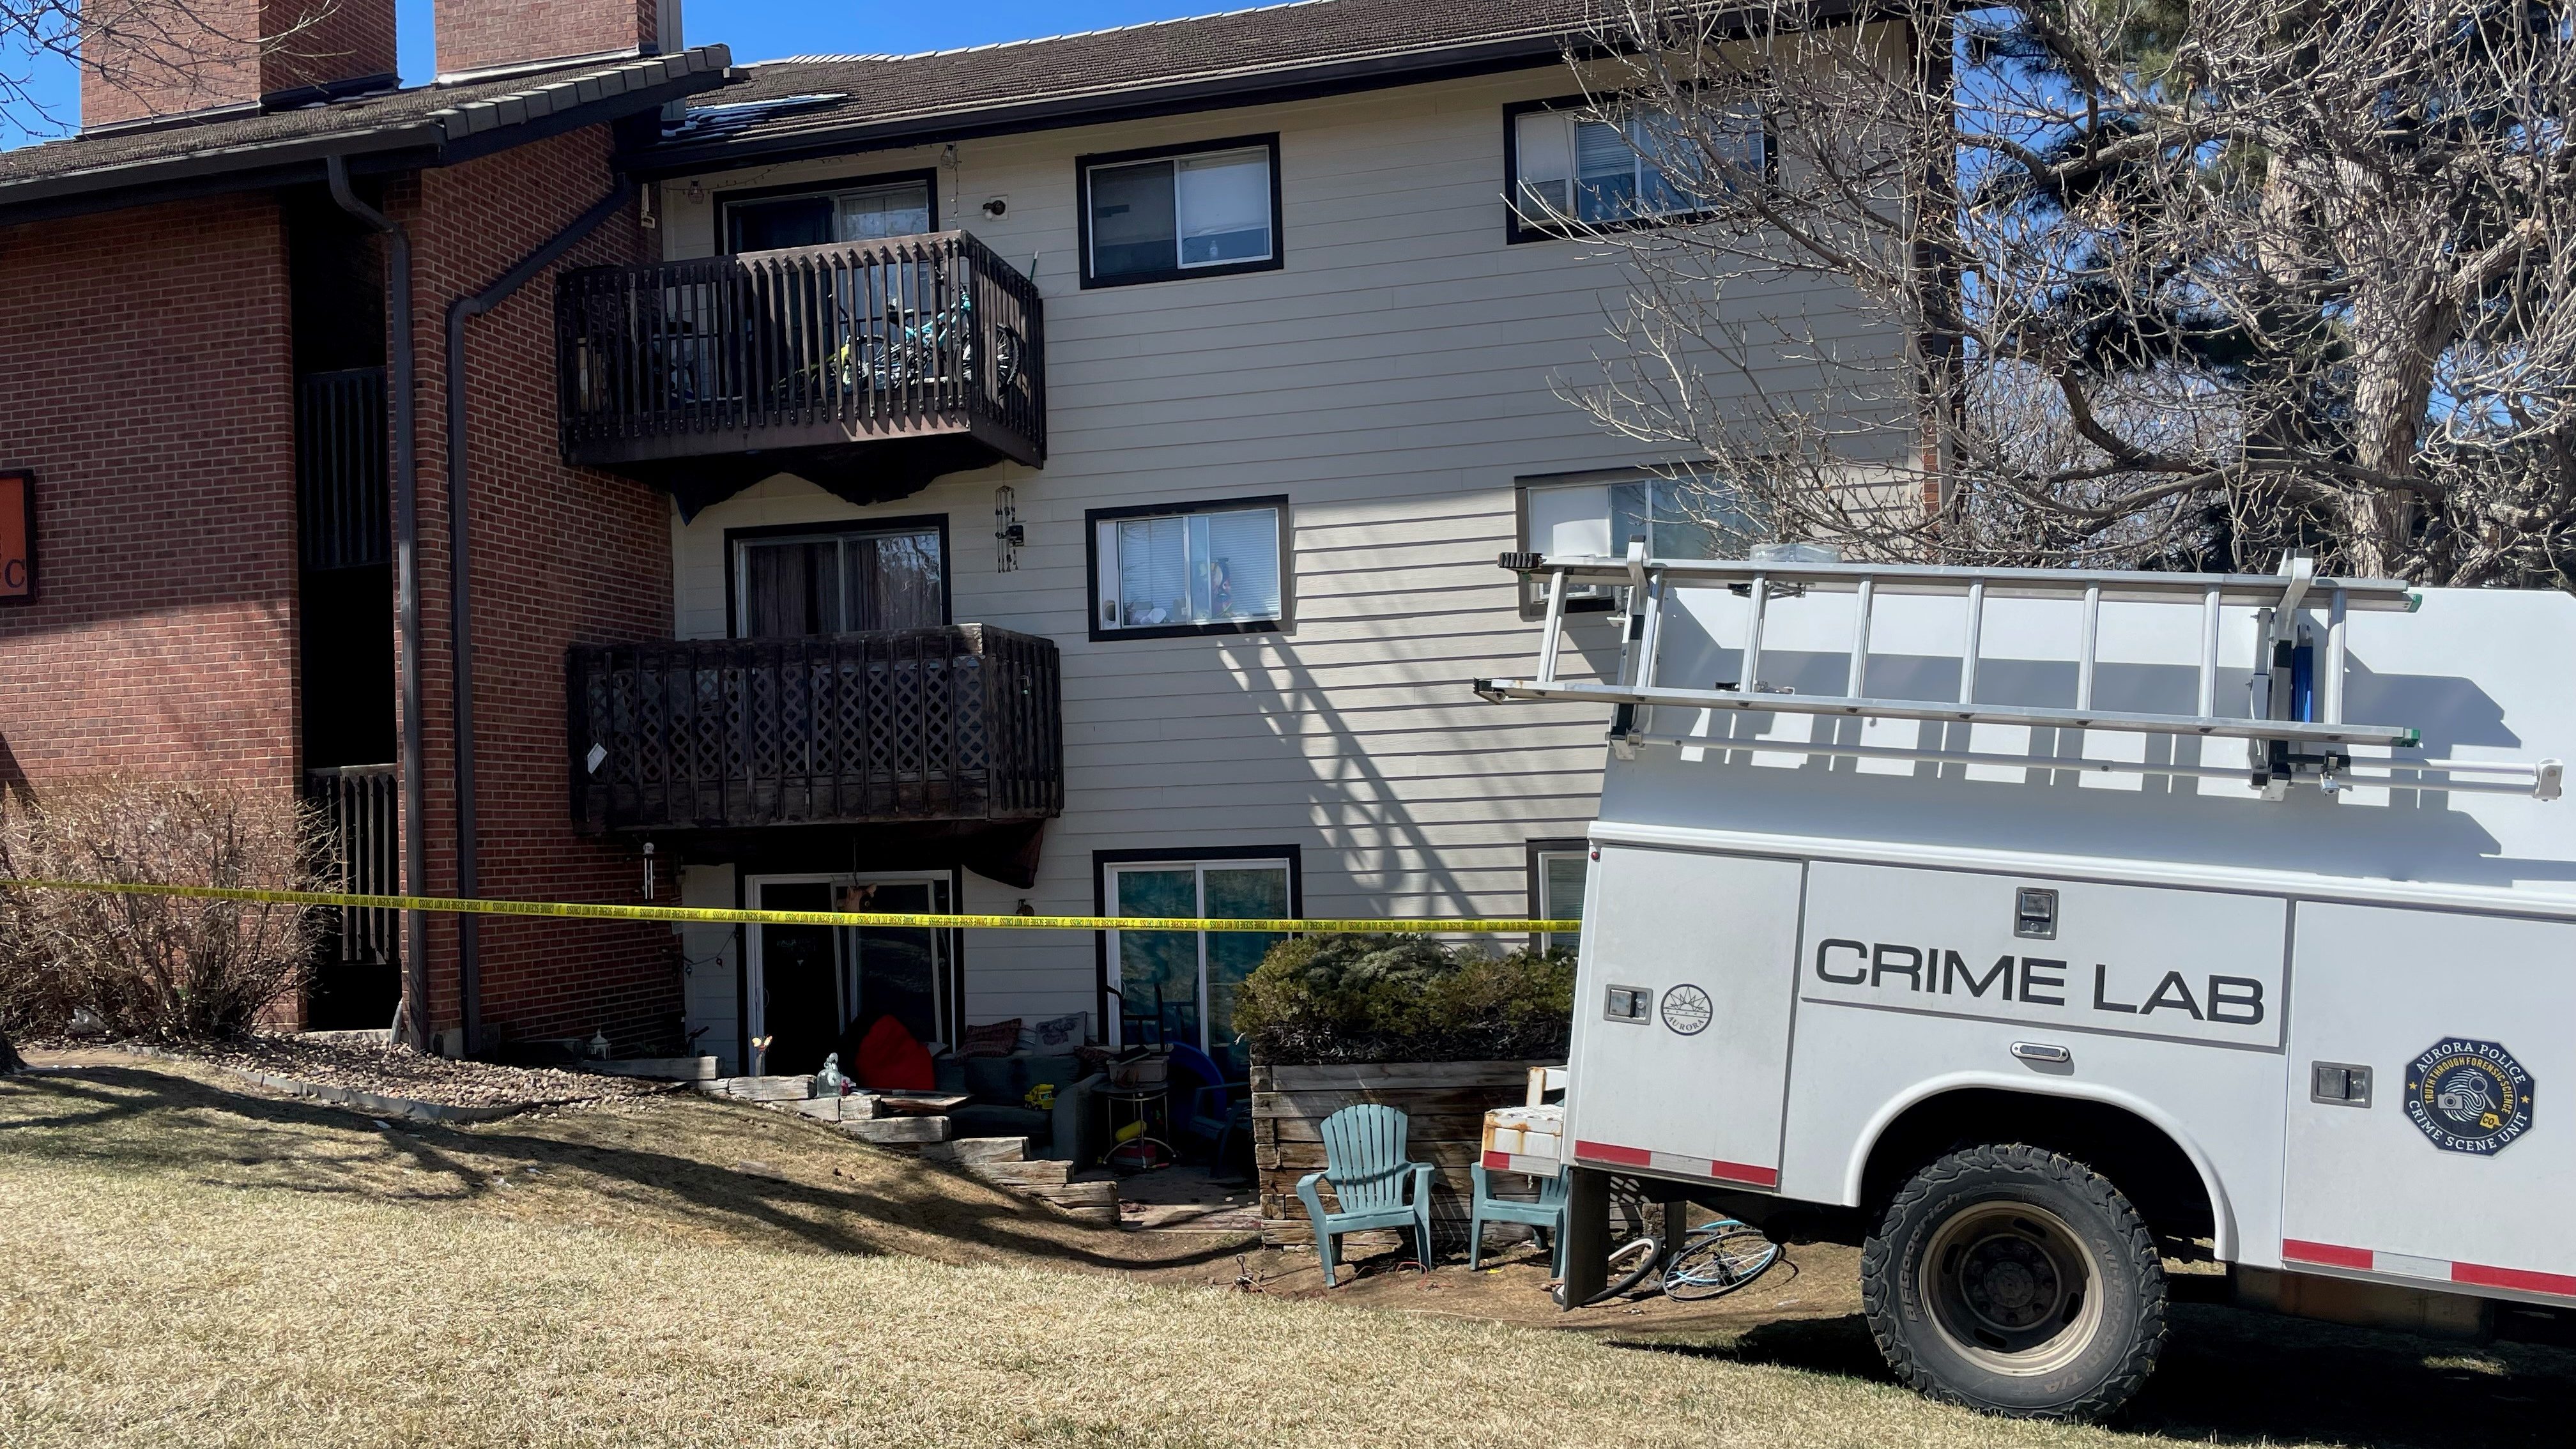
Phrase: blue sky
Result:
[756,29]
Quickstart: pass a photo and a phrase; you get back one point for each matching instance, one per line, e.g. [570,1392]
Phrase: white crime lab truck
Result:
[2034,928]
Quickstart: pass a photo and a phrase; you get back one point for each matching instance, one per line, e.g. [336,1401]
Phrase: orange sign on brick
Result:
[17,537]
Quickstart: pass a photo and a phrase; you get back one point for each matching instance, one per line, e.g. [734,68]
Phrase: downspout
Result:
[469,958]
[413,1019]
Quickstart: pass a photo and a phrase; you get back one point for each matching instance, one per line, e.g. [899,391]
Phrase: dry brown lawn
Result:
[185,1261]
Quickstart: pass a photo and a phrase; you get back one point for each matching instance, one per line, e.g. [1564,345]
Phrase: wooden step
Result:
[1042,1173]
[972,1150]
[1074,1195]
[898,1129]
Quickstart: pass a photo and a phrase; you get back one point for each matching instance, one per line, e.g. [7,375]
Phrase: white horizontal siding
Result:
[1393,379]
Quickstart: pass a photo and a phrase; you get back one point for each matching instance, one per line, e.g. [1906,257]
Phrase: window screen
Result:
[1220,566]
[1162,217]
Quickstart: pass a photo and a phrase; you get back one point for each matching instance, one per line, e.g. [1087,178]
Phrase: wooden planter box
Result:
[1446,1101]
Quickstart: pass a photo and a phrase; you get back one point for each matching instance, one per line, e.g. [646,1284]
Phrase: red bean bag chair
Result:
[891,1061]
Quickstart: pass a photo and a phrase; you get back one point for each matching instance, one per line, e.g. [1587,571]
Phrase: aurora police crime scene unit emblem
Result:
[1687,1009]
[2469,1096]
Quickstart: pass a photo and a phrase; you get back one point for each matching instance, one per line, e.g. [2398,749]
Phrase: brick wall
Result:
[559,555]
[150,58]
[477,33]
[144,376]
[315,42]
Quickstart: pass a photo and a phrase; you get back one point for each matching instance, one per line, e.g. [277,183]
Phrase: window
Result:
[797,581]
[1193,569]
[1569,162]
[1594,515]
[1211,210]
[1177,987]
[1556,873]
[886,207]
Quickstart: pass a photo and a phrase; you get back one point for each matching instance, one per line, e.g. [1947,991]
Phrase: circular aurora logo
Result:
[1686,1009]
[2469,1096]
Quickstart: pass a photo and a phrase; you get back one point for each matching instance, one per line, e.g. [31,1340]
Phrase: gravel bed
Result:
[396,1071]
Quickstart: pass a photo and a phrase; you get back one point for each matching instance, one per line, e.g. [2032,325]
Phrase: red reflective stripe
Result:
[1611,1152]
[1750,1176]
[2519,1279]
[2326,1253]
[1498,1161]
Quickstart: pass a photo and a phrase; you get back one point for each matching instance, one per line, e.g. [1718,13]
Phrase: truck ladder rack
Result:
[1651,584]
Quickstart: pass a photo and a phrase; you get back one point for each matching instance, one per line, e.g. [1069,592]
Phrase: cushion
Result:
[995,1039]
[1056,1033]
[891,1061]
[995,1079]
[1056,1071]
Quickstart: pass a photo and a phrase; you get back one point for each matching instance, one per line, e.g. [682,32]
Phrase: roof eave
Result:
[1218,93]
[441,139]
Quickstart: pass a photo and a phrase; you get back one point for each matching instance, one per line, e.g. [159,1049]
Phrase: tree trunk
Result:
[2398,328]
[10,1061]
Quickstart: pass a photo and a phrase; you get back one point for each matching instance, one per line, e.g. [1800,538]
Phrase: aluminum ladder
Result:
[2278,740]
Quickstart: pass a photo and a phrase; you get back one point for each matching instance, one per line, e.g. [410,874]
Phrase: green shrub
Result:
[1404,998]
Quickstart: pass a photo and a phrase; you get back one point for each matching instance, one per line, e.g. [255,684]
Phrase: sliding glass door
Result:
[1179,986]
[817,989]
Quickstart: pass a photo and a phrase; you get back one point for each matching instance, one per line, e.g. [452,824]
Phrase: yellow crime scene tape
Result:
[717,916]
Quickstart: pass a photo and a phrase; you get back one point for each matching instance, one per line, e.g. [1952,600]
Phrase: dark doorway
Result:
[800,981]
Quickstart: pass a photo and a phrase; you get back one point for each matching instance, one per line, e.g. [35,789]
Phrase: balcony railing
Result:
[361,817]
[852,364]
[340,468]
[958,724]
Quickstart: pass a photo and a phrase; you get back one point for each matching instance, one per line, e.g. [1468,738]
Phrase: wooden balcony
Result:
[960,725]
[868,368]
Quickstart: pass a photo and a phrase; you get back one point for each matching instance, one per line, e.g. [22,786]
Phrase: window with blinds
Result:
[840,582]
[1215,568]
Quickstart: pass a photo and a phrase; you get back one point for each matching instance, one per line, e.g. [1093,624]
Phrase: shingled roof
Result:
[393,129]
[818,104]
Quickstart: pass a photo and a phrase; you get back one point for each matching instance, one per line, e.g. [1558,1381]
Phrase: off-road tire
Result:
[1949,1328]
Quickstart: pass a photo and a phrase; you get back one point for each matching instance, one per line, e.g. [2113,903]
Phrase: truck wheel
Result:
[2016,1281]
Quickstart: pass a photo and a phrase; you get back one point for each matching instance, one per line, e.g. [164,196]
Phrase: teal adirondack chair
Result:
[1364,1161]
[1547,1215]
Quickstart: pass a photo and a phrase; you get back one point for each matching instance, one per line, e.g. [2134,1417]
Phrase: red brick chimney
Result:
[143,59]
[478,35]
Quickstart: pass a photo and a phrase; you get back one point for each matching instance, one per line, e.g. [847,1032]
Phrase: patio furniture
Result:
[1215,1109]
[997,1089]
[1546,1215]
[1138,1150]
[1364,1160]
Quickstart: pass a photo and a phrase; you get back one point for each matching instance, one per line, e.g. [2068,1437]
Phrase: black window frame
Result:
[726,200]
[913,522]
[1533,852]
[1517,230]
[1101,860]
[1092,518]
[1084,165]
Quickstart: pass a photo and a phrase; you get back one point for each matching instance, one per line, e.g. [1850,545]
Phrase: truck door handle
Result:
[2040,1051]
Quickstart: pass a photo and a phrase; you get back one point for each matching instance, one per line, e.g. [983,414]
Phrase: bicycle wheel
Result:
[1630,1264]
[1719,1257]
